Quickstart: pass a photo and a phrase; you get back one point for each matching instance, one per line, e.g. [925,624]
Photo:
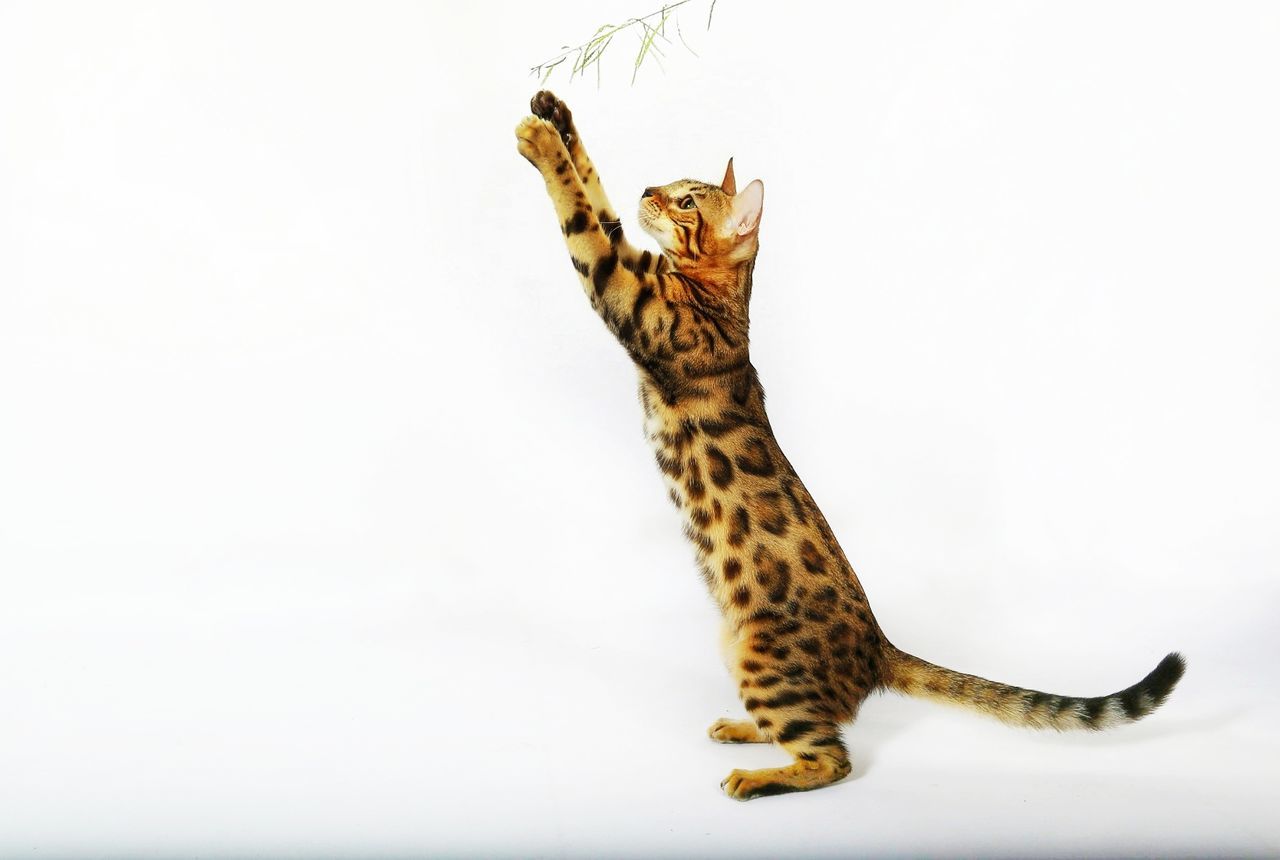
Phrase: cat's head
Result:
[701,225]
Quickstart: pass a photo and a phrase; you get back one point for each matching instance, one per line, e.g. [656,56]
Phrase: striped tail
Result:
[1019,707]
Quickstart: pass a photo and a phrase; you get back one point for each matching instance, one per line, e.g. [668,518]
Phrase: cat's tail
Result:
[1020,707]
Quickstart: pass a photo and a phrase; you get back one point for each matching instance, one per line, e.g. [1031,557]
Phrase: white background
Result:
[326,522]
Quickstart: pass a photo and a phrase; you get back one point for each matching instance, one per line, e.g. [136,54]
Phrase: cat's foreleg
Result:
[547,106]
[623,292]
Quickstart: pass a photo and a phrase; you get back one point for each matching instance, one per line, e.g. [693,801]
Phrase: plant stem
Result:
[590,51]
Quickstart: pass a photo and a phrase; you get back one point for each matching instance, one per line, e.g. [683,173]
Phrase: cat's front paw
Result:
[539,141]
[545,105]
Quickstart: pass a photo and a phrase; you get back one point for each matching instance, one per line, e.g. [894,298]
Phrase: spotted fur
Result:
[799,637]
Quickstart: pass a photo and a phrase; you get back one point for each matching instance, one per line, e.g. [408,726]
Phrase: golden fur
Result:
[799,638]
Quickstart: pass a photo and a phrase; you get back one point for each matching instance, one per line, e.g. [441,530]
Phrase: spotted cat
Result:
[799,637]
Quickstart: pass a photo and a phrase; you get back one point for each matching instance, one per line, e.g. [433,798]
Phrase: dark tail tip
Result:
[1149,693]
[1164,677]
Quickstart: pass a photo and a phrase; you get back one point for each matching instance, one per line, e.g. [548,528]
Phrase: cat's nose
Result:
[648,192]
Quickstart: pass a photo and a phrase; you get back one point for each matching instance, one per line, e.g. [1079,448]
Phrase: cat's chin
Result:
[661,244]
[646,224]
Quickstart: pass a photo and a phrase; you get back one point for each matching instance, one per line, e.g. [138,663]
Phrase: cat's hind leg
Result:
[820,759]
[789,704]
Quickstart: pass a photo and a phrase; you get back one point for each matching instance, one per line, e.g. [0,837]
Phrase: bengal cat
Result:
[799,637]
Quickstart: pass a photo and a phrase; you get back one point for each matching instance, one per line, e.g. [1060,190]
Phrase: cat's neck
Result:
[725,288]
[727,278]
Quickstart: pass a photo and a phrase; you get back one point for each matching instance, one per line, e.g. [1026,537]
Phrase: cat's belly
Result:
[761,544]
[705,509]
[656,431]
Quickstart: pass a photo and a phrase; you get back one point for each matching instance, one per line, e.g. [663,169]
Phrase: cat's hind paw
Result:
[800,776]
[736,732]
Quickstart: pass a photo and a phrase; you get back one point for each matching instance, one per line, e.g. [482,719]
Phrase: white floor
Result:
[355,715]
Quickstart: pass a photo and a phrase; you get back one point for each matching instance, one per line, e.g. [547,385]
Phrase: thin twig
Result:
[680,33]
[589,52]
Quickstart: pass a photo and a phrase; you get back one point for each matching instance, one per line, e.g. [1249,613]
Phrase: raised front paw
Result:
[539,141]
[548,107]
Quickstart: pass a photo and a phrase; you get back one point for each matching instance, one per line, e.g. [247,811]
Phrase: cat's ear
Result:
[747,207]
[729,185]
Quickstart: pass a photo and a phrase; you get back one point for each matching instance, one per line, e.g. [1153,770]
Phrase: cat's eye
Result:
[686,202]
